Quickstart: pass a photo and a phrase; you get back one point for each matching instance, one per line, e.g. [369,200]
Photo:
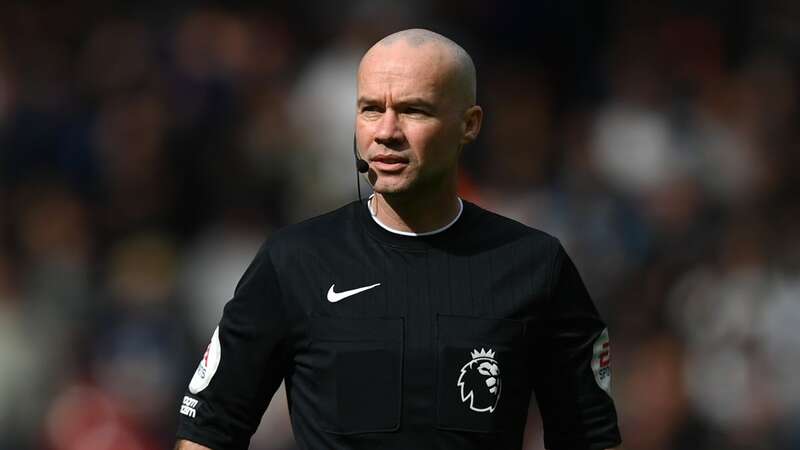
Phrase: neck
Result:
[419,214]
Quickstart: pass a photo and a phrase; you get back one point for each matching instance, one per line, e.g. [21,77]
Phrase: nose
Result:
[389,134]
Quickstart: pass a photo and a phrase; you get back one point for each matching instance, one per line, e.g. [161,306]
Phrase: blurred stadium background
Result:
[147,149]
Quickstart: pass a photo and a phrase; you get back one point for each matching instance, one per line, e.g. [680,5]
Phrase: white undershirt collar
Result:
[409,233]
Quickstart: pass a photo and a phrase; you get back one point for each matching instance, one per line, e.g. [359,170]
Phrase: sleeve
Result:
[242,366]
[573,381]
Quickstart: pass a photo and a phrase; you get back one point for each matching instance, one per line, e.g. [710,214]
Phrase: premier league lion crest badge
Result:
[480,381]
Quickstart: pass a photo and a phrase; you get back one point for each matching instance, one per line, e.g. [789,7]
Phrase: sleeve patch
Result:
[188,407]
[208,365]
[601,361]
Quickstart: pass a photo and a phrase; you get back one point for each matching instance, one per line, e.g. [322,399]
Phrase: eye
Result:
[370,111]
[416,112]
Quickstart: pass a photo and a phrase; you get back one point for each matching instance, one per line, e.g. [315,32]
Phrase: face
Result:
[411,120]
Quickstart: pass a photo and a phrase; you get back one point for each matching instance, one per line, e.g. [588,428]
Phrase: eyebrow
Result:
[410,101]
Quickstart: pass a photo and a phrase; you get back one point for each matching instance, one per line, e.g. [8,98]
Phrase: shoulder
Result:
[330,223]
[313,233]
[495,226]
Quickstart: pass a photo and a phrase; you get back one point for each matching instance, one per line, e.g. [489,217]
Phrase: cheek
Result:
[363,134]
[435,145]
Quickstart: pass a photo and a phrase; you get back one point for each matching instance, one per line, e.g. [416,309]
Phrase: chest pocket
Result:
[482,377]
[360,373]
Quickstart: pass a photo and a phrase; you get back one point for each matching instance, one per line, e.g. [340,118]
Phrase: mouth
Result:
[388,163]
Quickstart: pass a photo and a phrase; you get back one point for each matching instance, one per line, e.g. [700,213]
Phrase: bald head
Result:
[415,112]
[457,68]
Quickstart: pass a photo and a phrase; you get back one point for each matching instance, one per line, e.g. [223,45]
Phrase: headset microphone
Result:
[361,165]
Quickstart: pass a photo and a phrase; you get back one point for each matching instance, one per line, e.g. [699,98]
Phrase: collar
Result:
[410,233]
[447,236]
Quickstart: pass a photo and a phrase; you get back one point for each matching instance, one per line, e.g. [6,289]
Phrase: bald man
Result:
[414,320]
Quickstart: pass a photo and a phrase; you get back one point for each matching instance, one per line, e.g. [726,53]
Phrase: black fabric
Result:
[360,370]
[444,354]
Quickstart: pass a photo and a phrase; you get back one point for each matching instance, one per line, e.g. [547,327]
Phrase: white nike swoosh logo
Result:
[334,297]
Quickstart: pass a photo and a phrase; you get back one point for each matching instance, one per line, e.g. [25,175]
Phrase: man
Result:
[417,321]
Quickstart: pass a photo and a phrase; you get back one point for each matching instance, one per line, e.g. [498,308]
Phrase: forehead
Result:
[401,70]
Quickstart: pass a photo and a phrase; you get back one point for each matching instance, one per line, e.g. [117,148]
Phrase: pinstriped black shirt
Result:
[407,342]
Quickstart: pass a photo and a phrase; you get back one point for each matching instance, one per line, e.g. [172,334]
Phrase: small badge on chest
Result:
[479,381]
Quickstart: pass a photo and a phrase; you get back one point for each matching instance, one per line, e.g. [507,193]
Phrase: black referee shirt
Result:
[388,341]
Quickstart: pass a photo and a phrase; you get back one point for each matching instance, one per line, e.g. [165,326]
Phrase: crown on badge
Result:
[482,353]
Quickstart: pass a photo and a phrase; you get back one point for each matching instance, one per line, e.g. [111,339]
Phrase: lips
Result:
[388,163]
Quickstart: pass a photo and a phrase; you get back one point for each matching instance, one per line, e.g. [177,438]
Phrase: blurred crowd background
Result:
[147,149]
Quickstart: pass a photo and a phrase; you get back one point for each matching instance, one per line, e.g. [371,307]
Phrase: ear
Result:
[472,119]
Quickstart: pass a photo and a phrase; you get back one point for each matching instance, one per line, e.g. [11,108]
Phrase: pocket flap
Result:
[343,329]
[488,330]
